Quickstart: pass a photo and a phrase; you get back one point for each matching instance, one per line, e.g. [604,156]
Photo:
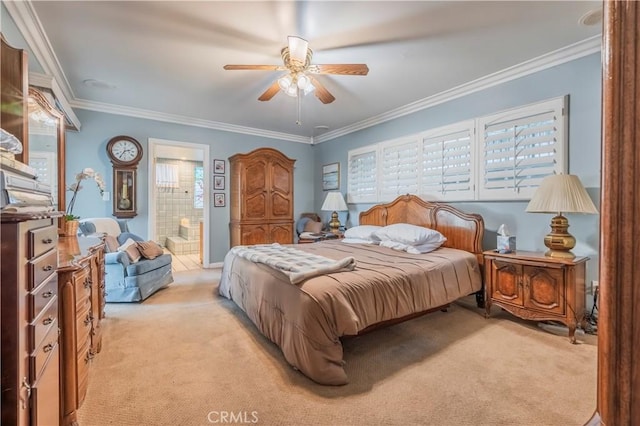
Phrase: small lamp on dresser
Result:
[561,194]
[334,202]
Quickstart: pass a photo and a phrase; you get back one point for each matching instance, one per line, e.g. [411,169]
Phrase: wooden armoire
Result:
[261,198]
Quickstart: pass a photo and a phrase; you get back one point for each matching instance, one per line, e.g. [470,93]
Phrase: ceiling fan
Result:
[299,80]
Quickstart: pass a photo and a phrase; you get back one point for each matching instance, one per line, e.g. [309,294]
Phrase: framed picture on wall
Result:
[218,182]
[218,199]
[218,167]
[331,177]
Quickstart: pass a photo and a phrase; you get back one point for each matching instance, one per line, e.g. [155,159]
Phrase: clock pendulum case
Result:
[125,153]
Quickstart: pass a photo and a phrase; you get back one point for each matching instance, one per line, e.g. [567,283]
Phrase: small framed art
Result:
[218,182]
[218,199]
[331,177]
[218,167]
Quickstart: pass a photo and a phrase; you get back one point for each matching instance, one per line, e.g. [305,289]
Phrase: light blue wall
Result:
[87,148]
[15,39]
[580,79]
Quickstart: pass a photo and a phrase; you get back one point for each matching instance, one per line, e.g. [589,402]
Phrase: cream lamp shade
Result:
[334,202]
[560,194]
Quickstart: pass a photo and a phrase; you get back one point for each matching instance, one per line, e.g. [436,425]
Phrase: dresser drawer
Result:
[43,351]
[43,295]
[41,268]
[40,326]
[42,240]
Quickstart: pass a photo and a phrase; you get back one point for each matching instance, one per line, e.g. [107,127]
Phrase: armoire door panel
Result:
[282,233]
[255,234]
[255,179]
[255,206]
[280,207]
[281,178]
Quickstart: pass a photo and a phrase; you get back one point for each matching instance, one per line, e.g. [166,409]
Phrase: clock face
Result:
[124,150]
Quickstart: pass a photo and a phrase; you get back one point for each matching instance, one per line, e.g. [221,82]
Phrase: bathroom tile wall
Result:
[173,205]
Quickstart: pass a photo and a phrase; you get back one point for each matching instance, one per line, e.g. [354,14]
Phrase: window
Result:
[448,165]
[198,190]
[400,169]
[362,175]
[502,156]
[520,147]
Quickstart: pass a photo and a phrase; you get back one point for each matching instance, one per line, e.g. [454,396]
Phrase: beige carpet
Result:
[189,357]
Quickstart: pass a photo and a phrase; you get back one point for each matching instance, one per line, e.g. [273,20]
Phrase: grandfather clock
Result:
[125,153]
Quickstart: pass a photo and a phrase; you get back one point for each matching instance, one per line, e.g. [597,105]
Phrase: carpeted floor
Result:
[187,356]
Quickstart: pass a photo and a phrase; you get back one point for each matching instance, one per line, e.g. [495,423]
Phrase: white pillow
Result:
[412,235]
[358,241]
[363,232]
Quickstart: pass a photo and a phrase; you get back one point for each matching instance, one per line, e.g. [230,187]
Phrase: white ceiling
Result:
[165,58]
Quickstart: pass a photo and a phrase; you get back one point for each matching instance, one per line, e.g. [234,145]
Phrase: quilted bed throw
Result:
[298,265]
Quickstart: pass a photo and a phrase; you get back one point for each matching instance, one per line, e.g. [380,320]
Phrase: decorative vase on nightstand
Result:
[71,227]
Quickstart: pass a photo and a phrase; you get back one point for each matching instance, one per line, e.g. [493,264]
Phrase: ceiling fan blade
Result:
[321,92]
[270,92]
[255,67]
[343,69]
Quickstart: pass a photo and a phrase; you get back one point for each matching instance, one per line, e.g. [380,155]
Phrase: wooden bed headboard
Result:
[464,231]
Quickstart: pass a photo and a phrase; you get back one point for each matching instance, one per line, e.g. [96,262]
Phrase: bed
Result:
[307,320]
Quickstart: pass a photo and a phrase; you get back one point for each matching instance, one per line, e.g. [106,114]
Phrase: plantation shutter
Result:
[448,165]
[399,174]
[362,176]
[521,147]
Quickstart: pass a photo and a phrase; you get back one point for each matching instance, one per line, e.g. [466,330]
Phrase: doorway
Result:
[179,201]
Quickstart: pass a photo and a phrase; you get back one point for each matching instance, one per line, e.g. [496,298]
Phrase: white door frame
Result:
[206,212]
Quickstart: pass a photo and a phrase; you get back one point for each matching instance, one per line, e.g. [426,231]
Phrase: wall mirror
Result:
[46,145]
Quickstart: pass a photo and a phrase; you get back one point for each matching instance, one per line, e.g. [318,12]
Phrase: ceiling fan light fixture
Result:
[285,82]
[292,91]
[303,81]
[298,49]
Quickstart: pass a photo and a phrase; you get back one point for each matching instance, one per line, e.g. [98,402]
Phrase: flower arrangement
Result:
[75,187]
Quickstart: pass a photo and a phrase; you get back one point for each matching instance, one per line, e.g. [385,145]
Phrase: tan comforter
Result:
[306,320]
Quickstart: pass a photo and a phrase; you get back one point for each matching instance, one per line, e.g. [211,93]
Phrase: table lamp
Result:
[334,202]
[560,194]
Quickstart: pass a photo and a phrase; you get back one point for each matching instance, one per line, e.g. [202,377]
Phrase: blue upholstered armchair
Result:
[125,280]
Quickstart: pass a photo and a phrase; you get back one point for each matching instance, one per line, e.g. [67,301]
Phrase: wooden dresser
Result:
[29,314]
[81,293]
[261,198]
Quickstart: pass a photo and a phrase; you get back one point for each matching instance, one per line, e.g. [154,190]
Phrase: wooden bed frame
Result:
[464,231]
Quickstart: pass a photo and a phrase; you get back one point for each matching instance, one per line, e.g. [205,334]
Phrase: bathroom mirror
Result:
[46,144]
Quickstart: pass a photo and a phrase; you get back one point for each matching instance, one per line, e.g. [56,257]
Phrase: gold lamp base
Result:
[334,224]
[559,241]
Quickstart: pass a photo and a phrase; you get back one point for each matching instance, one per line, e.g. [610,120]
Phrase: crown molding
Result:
[48,82]
[557,57]
[187,121]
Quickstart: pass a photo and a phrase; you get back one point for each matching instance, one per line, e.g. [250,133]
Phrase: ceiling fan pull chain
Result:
[298,121]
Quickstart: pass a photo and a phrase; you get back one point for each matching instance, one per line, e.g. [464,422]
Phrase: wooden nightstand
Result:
[533,286]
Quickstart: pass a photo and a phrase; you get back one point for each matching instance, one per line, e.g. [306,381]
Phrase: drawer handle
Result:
[47,268]
[47,241]
[24,400]
[48,294]
[48,347]
[47,321]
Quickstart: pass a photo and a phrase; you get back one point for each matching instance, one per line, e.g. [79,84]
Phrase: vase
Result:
[71,228]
